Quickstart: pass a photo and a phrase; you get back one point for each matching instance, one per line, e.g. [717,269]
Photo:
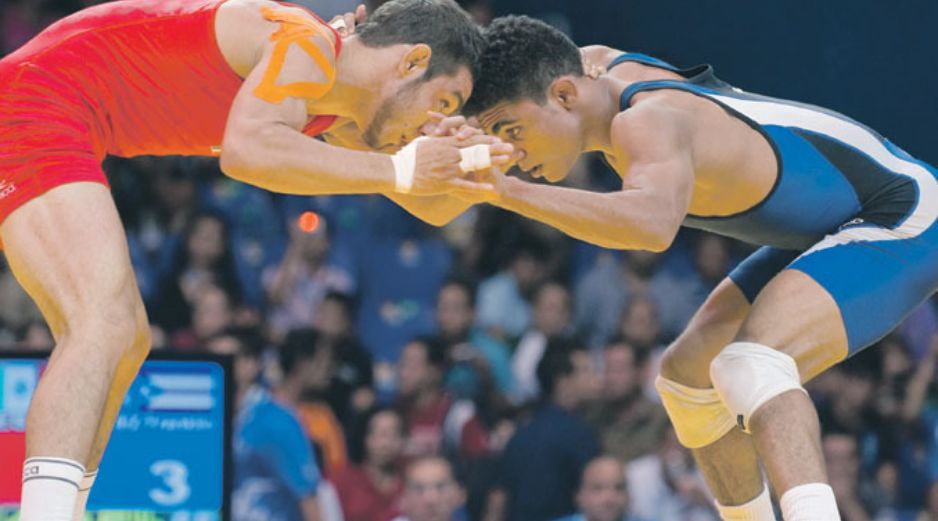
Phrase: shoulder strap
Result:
[644,59]
[625,99]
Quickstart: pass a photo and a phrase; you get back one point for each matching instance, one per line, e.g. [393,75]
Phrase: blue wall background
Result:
[873,60]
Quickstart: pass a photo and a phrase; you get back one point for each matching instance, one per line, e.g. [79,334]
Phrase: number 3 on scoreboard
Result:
[175,488]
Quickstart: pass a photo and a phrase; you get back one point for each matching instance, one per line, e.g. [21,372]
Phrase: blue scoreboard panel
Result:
[169,451]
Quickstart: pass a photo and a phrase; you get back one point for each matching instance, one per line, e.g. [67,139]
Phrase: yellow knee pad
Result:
[698,415]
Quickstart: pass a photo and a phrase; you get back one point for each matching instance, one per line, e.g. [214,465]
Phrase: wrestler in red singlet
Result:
[125,78]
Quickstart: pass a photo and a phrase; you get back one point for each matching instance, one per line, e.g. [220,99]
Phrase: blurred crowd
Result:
[491,370]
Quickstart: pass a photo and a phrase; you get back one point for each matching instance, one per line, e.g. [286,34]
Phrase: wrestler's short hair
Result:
[454,38]
[521,58]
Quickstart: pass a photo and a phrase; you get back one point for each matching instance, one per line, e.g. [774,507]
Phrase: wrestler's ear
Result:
[564,91]
[415,61]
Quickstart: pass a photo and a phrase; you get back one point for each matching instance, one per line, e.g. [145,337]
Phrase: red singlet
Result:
[124,78]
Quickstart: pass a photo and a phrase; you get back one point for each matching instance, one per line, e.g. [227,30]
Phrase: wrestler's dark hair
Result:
[521,58]
[454,38]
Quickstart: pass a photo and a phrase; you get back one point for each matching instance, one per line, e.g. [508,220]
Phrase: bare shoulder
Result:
[243,32]
[658,118]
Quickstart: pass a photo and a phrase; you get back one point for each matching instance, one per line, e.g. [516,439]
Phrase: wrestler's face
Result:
[545,135]
[402,115]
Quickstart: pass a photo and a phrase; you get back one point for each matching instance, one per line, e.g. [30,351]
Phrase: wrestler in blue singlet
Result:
[849,208]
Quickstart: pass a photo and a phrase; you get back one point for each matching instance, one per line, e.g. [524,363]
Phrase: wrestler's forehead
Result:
[508,112]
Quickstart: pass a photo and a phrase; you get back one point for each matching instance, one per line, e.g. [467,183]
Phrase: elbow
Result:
[653,237]
[247,152]
[439,220]
[662,230]
[660,241]
[233,162]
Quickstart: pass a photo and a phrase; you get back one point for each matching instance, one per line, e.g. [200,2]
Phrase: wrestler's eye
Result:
[514,133]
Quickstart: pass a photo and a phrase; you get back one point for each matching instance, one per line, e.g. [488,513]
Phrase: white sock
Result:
[83,490]
[759,509]
[811,502]
[50,488]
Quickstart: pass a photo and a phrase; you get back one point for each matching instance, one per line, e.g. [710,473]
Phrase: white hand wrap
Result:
[405,161]
[476,157]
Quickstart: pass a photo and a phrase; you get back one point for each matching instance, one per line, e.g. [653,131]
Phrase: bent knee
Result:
[678,365]
[116,329]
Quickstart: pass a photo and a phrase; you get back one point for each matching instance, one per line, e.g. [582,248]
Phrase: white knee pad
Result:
[746,375]
[699,416]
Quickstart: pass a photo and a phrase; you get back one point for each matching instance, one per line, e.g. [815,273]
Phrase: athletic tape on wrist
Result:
[476,157]
[405,161]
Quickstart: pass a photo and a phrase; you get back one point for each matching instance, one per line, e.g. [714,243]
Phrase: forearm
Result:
[437,210]
[607,220]
[280,159]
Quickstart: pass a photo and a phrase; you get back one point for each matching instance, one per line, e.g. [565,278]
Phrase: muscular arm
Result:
[647,213]
[264,144]
[437,210]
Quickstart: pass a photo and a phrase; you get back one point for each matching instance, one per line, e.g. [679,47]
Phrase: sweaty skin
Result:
[675,152]
[678,153]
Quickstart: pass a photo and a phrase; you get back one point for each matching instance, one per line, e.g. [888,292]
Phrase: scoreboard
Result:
[170,448]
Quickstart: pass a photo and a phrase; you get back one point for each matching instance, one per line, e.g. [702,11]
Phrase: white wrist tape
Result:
[476,157]
[405,161]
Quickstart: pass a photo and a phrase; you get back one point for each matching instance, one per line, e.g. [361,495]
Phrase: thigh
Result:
[68,250]
[718,320]
[843,295]
[713,326]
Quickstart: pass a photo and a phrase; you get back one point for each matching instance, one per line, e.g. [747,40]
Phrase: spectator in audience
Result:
[370,489]
[504,308]
[435,423]
[850,408]
[247,346]
[930,512]
[640,329]
[211,314]
[666,486]
[678,296]
[34,336]
[276,476]
[351,391]
[601,295]
[604,292]
[603,495]
[163,207]
[552,308]
[629,424]
[297,287]
[431,492]
[313,362]
[857,500]
[479,361]
[17,310]
[541,466]
[203,259]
